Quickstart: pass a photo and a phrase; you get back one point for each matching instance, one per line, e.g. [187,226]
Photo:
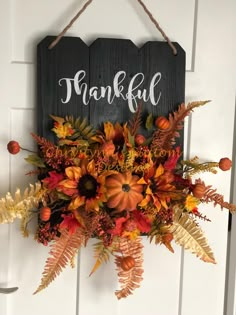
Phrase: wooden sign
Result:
[107,80]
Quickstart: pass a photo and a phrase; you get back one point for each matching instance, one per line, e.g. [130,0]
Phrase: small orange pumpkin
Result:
[199,190]
[162,123]
[127,263]
[45,214]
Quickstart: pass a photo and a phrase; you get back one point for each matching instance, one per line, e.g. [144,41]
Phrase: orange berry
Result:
[45,214]
[13,147]
[139,139]
[225,164]
[162,123]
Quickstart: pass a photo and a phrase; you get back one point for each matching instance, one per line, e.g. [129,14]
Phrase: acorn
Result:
[139,139]
[13,147]
[45,214]
[199,190]
[225,164]
[127,263]
[162,123]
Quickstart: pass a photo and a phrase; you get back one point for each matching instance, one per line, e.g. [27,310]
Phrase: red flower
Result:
[135,222]
[53,179]
[13,147]
[118,229]
[142,223]
[70,223]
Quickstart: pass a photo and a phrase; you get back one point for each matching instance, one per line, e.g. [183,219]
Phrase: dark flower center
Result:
[126,187]
[153,186]
[87,186]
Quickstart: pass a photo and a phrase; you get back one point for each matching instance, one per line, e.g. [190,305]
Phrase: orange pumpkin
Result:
[199,190]
[123,191]
[45,214]
[162,123]
[127,263]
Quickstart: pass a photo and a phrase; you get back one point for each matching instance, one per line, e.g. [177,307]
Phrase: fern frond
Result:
[20,206]
[82,129]
[165,139]
[136,122]
[102,255]
[61,253]
[193,167]
[189,235]
[211,195]
[129,280]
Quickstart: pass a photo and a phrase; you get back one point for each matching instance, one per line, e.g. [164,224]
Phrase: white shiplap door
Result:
[176,284]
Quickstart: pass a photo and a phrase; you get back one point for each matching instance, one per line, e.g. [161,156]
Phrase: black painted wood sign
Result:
[107,80]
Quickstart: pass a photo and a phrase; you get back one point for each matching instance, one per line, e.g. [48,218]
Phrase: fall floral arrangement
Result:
[115,185]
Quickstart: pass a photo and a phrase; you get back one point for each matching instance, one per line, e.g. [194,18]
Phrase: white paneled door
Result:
[176,284]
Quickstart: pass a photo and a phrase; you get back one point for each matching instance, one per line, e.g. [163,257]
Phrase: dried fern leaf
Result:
[211,195]
[61,253]
[130,280]
[20,206]
[102,255]
[189,235]
[165,139]
[135,123]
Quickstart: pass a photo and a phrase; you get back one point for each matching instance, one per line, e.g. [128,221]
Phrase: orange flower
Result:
[84,187]
[159,188]
[123,191]
[114,134]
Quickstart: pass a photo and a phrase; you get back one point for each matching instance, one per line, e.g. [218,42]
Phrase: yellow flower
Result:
[191,202]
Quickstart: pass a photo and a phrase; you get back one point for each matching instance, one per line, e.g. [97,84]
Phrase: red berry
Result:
[13,147]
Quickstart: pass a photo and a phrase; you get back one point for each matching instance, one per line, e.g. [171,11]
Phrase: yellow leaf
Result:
[58,119]
[95,267]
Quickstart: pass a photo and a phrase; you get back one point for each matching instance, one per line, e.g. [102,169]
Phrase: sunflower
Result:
[160,189]
[123,191]
[84,187]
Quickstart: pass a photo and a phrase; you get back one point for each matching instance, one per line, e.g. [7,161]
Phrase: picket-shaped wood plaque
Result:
[107,80]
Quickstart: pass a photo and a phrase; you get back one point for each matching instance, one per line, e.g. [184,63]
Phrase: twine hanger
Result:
[154,21]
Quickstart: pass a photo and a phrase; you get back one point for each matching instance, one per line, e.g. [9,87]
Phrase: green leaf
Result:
[131,139]
[35,160]
[149,122]
[62,196]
